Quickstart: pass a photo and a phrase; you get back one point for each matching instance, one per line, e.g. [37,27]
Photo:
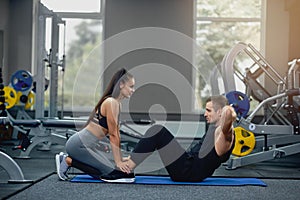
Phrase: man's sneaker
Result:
[61,166]
[117,176]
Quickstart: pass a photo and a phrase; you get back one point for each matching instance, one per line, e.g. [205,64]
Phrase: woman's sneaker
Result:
[117,176]
[61,166]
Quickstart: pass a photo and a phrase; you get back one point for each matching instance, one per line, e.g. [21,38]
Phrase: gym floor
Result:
[281,175]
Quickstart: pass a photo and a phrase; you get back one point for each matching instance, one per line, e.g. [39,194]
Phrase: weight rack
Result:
[277,135]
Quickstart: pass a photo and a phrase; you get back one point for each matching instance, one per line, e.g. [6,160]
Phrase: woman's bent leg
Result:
[86,156]
[86,168]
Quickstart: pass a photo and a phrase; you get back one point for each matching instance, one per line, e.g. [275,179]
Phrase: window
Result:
[73,5]
[79,42]
[219,25]
[83,57]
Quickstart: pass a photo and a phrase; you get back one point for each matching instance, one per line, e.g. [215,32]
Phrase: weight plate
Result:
[30,100]
[21,80]
[10,96]
[244,142]
[240,102]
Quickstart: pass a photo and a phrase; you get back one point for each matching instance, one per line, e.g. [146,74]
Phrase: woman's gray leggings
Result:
[83,148]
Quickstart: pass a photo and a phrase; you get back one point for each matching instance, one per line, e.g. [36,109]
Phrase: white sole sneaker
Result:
[57,162]
[121,180]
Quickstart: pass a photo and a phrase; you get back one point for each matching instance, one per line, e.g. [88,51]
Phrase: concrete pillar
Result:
[153,40]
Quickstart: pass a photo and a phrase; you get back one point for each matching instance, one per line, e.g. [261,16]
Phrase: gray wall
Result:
[152,39]
[4,12]
[1,48]
[20,35]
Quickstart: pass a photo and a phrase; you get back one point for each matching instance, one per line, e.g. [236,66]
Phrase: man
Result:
[194,165]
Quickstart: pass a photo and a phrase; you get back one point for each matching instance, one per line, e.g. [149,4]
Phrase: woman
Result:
[83,147]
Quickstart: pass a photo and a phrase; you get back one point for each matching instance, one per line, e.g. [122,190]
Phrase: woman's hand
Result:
[126,158]
[123,166]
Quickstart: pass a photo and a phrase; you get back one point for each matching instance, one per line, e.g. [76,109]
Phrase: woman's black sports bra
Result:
[100,119]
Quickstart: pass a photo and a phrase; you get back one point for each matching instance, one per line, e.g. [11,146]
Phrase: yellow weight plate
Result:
[30,100]
[244,142]
[19,94]
[10,96]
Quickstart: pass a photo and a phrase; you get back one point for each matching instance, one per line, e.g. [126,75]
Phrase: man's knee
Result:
[158,128]
[155,129]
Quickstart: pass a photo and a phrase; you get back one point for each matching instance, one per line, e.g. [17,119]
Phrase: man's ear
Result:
[219,112]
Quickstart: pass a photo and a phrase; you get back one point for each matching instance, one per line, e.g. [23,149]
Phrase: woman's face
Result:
[127,88]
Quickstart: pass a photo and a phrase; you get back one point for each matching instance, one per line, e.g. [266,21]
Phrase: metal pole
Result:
[54,68]
[40,76]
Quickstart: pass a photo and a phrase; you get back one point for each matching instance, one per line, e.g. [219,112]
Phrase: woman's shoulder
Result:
[110,101]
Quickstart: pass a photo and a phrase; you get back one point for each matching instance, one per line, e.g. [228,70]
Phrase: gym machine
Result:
[277,135]
[13,170]
[26,90]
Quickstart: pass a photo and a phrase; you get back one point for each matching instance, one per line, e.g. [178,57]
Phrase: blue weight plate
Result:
[21,80]
[240,102]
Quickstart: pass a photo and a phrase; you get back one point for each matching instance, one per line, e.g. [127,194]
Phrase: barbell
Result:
[244,139]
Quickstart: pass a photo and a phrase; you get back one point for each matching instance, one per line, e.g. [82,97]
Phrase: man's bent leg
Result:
[156,138]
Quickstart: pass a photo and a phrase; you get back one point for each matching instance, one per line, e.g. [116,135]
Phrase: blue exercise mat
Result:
[164,180]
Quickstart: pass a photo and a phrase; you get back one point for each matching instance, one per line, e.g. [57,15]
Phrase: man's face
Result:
[210,114]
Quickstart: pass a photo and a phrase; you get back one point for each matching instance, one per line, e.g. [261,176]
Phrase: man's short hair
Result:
[219,101]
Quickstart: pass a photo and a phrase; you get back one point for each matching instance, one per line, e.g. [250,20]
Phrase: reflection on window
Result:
[229,8]
[219,26]
[218,37]
[82,48]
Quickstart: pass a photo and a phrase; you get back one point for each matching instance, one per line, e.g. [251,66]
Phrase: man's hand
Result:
[228,116]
